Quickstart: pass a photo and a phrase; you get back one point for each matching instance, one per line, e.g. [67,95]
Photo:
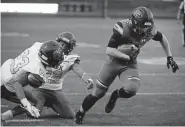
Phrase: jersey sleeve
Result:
[157,35]
[120,31]
[72,59]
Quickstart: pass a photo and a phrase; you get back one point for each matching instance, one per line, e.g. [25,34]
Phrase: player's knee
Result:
[133,85]
[131,88]
[99,90]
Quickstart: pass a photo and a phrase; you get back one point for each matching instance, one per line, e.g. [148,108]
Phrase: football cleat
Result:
[79,117]
[111,103]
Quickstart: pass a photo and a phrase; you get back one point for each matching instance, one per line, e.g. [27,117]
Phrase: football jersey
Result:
[55,77]
[182,6]
[124,33]
[28,61]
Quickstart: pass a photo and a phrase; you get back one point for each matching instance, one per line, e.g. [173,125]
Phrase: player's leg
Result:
[183,30]
[42,96]
[61,105]
[131,82]
[108,73]
[10,96]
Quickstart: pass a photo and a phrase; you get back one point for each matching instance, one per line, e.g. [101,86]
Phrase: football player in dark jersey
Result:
[180,12]
[137,31]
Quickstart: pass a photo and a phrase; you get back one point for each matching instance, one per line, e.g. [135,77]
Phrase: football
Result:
[127,48]
[35,80]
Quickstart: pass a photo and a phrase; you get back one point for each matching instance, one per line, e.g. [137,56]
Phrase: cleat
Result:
[79,117]
[111,103]
[2,122]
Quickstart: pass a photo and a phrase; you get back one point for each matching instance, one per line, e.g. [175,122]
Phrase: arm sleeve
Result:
[117,36]
[114,41]
[158,36]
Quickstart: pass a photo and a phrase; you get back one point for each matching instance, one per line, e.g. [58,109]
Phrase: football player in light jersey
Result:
[182,11]
[50,93]
[137,31]
[28,68]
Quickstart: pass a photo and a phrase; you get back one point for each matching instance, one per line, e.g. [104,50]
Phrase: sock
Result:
[88,102]
[115,94]
[124,94]
[81,109]
[7,115]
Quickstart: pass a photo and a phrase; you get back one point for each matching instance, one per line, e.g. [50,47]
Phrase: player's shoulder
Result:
[37,43]
[71,57]
[123,27]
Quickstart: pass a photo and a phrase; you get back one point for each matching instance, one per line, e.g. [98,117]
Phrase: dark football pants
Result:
[11,96]
[113,68]
[184,27]
[54,99]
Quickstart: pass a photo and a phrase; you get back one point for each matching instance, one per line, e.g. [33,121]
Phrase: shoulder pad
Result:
[122,27]
[71,57]
[37,43]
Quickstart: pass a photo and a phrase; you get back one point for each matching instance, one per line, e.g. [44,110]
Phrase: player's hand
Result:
[133,55]
[32,110]
[172,63]
[90,84]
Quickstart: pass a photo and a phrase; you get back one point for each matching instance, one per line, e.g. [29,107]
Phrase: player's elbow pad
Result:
[158,36]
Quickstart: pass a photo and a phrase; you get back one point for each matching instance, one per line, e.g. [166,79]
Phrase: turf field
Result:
[160,99]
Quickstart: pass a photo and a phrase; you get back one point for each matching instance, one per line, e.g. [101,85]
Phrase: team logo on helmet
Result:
[137,14]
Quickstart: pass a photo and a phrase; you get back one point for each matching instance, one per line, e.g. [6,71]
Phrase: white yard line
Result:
[153,74]
[141,94]
[25,120]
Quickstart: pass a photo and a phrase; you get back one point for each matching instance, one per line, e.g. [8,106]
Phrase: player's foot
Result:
[111,103]
[79,117]
[183,45]
[2,122]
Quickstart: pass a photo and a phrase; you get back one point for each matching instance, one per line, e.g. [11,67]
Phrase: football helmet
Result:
[51,54]
[142,20]
[67,42]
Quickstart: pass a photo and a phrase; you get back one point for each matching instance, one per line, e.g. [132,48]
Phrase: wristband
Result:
[25,102]
[85,77]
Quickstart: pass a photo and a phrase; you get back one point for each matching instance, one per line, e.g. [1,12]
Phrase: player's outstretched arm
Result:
[19,80]
[180,10]
[165,44]
[84,76]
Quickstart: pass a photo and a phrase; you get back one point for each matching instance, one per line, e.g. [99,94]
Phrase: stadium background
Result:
[160,100]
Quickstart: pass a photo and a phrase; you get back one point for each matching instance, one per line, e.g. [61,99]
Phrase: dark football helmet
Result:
[67,42]
[51,54]
[142,20]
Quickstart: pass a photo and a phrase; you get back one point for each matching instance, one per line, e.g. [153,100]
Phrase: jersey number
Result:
[19,62]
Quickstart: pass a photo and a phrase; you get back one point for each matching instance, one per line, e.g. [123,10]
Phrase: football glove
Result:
[133,55]
[172,63]
[30,108]
[90,84]
[87,79]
